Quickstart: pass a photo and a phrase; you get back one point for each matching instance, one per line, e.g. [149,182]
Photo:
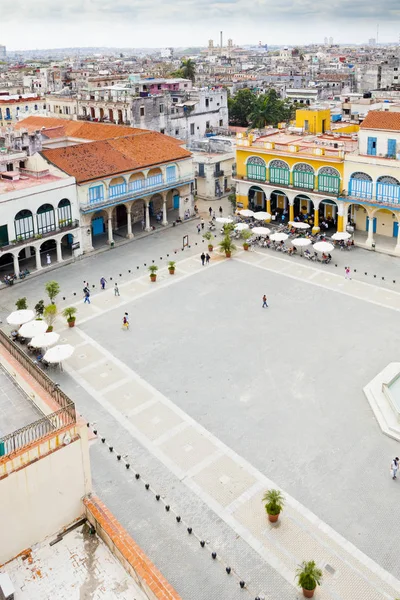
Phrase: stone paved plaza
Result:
[213,399]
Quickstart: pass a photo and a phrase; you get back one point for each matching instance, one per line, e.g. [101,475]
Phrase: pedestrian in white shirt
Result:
[394,466]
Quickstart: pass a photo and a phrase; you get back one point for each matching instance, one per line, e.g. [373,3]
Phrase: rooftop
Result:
[77,129]
[79,566]
[16,410]
[28,179]
[377,119]
[91,161]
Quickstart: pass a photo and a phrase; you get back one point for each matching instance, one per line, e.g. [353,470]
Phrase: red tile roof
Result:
[377,119]
[84,130]
[96,160]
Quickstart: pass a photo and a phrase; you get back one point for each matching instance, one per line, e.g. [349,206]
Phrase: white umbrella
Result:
[301,242]
[278,237]
[224,220]
[300,225]
[58,353]
[341,235]
[261,230]
[29,330]
[262,216]
[18,317]
[44,340]
[245,212]
[323,247]
[241,226]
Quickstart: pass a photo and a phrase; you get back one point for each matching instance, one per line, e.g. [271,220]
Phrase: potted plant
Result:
[50,313]
[153,272]
[274,502]
[246,234]
[308,577]
[226,245]
[69,313]
[228,228]
[52,289]
[21,304]
[171,267]
[209,236]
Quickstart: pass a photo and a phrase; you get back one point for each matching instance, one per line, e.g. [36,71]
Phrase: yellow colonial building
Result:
[296,170]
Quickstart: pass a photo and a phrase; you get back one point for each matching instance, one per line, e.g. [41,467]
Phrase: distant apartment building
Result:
[3,53]
[14,108]
[186,116]
[214,163]
[377,76]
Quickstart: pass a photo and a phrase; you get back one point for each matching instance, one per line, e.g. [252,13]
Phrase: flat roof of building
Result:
[79,566]
[27,181]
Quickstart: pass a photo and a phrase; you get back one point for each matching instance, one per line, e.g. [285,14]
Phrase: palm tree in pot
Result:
[226,245]
[308,577]
[171,267]
[209,236]
[69,313]
[246,235]
[274,503]
[153,272]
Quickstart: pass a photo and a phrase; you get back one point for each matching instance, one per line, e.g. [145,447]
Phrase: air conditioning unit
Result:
[6,587]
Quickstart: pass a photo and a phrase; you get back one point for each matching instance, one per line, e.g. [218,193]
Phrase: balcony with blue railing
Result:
[98,197]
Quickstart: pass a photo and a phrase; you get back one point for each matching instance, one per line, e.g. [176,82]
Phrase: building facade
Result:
[14,108]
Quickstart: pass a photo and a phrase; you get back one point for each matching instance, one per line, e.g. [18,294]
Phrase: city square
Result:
[216,399]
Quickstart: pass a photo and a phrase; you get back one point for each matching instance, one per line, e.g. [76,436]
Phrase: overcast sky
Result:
[30,24]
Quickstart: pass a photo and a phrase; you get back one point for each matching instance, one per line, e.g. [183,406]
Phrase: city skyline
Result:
[180,23]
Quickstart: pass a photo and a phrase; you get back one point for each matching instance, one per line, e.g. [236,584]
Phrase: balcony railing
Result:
[135,191]
[67,226]
[218,173]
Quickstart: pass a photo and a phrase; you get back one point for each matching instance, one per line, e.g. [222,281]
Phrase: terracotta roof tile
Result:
[377,119]
[84,130]
[96,160]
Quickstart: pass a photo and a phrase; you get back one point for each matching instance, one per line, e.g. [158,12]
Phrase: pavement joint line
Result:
[171,433]
[96,363]
[138,409]
[206,462]
[221,512]
[245,496]
[333,289]
[112,386]
[162,499]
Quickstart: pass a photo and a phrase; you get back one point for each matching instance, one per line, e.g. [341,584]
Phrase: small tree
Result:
[52,289]
[39,309]
[50,313]
[21,304]
[232,200]
[246,235]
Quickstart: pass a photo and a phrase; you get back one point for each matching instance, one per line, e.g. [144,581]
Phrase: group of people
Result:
[205,258]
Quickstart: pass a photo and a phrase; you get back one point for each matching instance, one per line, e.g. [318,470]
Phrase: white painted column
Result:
[59,251]
[129,233]
[110,231]
[147,220]
[370,238]
[164,211]
[38,261]
[16,264]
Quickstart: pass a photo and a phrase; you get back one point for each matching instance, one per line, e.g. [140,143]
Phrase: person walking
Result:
[210,211]
[347,273]
[220,211]
[125,322]
[103,282]
[48,259]
[203,258]
[394,466]
[264,304]
[116,290]
[87,297]
[207,258]
[198,227]
[213,215]
[202,223]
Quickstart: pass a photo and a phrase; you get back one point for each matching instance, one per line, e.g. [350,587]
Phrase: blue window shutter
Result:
[371,146]
[392,148]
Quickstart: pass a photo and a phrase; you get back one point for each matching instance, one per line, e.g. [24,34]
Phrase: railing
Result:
[132,194]
[37,430]
[218,173]
[71,224]
[44,381]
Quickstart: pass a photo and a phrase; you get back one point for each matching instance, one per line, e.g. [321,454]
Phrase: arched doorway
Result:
[120,216]
[111,115]
[48,251]
[360,185]
[303,176]
[101,114]
[388,190]
[357,217]
[27,258]
[46,220]
[6,264]
[303,206]
[328,211]
[155,208]
[66,246]
[64,213]
[23,224]
[279,203]
[257,199]
[385,228]
[99,228]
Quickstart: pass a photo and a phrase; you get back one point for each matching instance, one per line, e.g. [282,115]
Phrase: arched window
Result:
[256,169]
[329,180]
[23,224]
[303,176]
[64,213]
[45,219]
[279,172]
[388,189]
[360,185]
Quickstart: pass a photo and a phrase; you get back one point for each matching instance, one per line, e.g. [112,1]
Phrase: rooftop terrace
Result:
[16,409]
